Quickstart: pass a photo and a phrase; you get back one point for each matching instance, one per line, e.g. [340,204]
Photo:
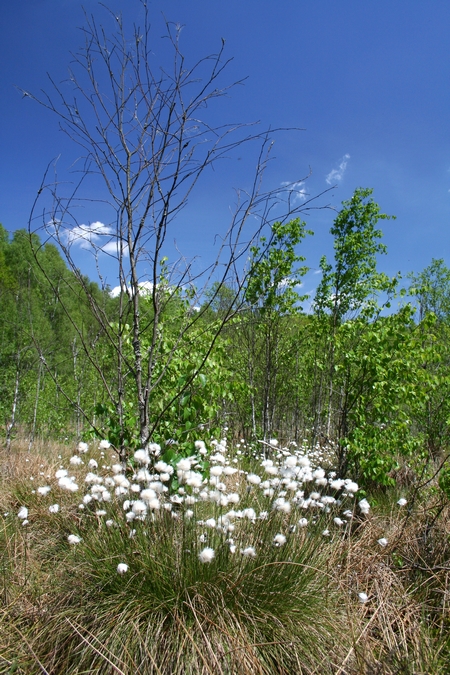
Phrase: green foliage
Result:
[221,299]
[361,396]
[272,276]
[193,387]
[432,289]
[43,319]
[265,332]
[204,391]
[390,387]
[378,387]
[119,430]
[444,480]
[353,283]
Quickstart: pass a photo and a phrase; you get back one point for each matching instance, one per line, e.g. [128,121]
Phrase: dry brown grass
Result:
[402,629]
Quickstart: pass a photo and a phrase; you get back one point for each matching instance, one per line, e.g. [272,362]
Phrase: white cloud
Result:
[297,193]
[88,235]
[96,236]
[337,175]
[112,247]
[115,292]
[145,288]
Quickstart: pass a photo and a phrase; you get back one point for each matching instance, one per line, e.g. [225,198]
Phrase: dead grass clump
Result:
[393,631]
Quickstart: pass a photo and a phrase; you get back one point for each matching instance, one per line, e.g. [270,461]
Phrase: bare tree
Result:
[144,132]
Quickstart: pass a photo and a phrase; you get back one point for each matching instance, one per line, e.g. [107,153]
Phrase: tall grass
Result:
[293,607]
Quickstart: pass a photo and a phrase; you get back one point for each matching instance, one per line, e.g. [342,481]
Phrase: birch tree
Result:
[147,139]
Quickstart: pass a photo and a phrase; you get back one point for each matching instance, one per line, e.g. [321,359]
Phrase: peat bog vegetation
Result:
[197,476]
[266,566]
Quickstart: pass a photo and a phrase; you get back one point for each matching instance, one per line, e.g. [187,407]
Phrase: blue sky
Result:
[368,82]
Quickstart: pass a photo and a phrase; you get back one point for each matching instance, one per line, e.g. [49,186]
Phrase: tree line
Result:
[354,373]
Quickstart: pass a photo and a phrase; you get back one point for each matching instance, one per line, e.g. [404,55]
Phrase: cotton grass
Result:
[235,556]
[169,579]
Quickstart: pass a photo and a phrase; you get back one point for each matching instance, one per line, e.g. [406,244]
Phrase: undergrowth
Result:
[221,575]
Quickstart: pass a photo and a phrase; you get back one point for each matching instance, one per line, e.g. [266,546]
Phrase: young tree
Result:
[265,328]
[431,287]
[353,285]
[349,289]
[145,133]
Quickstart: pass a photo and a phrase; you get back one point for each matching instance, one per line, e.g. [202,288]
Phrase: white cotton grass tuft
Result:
[43,491]
[82,447]
[73,539]
[67,483]
[199,445]
[363,598]
[154,449]
[279,540]
[147,495]
[104,444]
[163,467]
[248,552]
[206,555]
[139,508]
[282,505]
[142,457]
[23,513]
[290,461]
[402,501]
[364,506]
[54,508]
[184,465]
[76,460]
[122,568]
[383,542]
[351,486]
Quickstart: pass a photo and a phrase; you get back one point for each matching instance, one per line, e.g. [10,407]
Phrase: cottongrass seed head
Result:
[73,539]
[206,555]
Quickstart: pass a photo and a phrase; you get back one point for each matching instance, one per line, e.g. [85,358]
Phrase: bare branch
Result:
[146,133]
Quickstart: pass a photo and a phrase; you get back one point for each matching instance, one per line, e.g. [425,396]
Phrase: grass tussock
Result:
[273,597]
